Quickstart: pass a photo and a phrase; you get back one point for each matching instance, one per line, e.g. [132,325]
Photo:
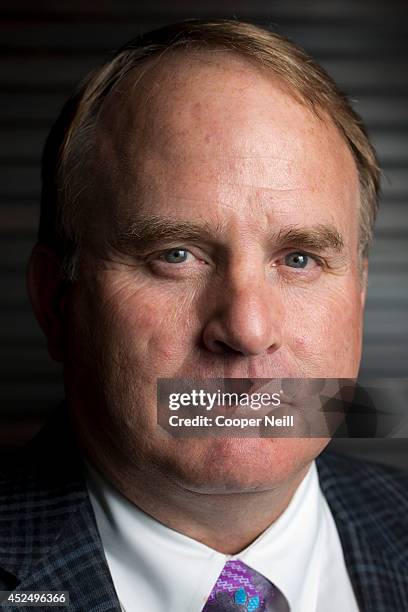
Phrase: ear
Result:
[46,290]
[364,281]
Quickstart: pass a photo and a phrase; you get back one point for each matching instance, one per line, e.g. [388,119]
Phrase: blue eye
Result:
[296,260]
[175,256]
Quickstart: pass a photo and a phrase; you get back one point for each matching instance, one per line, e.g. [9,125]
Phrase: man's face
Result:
[265,283]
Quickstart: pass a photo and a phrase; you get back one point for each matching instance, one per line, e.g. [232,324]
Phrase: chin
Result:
[238,465]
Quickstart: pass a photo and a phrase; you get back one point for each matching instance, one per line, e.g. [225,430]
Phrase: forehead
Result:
[210,130]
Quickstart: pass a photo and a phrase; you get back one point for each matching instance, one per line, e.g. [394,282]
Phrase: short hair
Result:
[69,145]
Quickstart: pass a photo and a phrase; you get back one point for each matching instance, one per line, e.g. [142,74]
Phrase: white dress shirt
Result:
[158,569]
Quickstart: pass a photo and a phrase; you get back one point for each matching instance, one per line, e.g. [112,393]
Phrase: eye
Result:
[175,256]
[296,260]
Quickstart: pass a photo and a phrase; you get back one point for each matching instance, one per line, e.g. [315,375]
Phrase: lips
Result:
[237,385]
[261,383]
[254,385]
[270,386]
[251,385]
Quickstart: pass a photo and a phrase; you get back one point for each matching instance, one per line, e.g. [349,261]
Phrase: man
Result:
[209,198]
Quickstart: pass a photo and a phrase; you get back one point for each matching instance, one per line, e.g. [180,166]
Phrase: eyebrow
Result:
[142,233]
[148,231]
[320,238]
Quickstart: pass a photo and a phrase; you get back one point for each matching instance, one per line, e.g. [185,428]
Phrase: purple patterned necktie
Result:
[240,588]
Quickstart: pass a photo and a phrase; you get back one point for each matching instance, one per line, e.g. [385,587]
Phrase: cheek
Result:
[328,336]
[150,325]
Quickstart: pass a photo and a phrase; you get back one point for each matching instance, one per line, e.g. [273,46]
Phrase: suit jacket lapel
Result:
[51,540]
[76,563]
[369,507]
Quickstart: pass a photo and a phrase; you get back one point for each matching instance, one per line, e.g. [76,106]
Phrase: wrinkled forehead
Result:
[208,98]
[167,96]
[207,120]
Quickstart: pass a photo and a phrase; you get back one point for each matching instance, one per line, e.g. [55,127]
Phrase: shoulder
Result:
[366,496]
[38,482]
[49,466]
[41,488]
[43,478]
[360,475]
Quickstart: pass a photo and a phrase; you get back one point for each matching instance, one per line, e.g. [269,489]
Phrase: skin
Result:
[205,137]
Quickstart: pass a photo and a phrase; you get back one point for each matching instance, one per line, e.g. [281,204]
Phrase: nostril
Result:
[223,347]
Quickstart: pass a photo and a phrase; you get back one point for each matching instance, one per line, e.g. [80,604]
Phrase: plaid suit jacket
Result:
[49,538]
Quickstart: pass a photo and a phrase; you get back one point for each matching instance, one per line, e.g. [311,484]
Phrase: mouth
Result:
[270,386]
[257,384]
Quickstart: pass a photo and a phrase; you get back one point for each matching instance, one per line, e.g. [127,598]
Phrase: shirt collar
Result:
[173,571]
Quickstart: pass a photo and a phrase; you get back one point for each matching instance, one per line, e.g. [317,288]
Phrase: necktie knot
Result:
[241,588]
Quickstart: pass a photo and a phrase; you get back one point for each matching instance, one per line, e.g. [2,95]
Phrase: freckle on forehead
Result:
[223,133]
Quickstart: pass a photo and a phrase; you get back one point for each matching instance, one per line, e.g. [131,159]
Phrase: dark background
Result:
[47,47]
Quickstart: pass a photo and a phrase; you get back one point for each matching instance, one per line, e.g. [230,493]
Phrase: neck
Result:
[226,522]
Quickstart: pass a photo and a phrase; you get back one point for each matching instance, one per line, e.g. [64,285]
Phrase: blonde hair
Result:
[71,139]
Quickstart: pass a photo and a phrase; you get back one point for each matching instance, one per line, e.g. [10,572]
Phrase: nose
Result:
[247,317]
